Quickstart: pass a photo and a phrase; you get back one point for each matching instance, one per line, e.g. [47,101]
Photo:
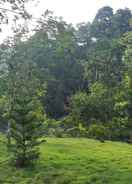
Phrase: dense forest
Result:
[74,81]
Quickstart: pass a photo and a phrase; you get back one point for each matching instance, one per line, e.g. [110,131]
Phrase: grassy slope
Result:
[74,161]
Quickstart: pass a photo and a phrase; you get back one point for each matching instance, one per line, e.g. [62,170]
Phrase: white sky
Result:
[75,11]
[72,11]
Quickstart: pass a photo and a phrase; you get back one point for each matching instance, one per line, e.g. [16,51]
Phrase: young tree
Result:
[25,114]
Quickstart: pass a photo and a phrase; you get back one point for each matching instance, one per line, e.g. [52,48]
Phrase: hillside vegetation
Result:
[73,83]
[73,161]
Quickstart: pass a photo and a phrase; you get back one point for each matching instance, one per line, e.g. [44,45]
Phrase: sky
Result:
[75,11]
[72,11]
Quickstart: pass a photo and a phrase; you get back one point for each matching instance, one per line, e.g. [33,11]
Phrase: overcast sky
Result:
[72,11]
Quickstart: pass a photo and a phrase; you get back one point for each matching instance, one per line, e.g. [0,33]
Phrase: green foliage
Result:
[120,129]
[3,107]
[104,62]
[79,131]
[59,66]
[97,104]
[102,22]
[25,130]
[25,113]
[98,131]
[110,25]
[71,60]
[83,74]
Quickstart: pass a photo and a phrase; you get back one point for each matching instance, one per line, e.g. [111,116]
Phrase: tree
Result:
[16,7]
[25,113]
[100,27]
[83,33]
[121,22]
[125,98]
[104,62]
[53,48]
[95,106]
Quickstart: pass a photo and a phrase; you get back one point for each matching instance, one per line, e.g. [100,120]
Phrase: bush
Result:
[67,122]
[59,132]
[98,131]
[120,129]
[77,132]
[51,132]
[56,132]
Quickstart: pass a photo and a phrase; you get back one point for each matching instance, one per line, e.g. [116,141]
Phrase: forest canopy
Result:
[72,80]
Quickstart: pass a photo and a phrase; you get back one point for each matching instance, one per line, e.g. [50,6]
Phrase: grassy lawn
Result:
[73,161]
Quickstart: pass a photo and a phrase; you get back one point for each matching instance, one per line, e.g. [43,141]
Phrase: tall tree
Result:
[25,113]
[101,24]
[121,22]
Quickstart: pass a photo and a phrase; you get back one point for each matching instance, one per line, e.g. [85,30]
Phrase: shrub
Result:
[59,132]
[120,129]
[98,131]
[77,132]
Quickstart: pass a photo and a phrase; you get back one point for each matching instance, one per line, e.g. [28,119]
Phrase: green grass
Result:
[73,161]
